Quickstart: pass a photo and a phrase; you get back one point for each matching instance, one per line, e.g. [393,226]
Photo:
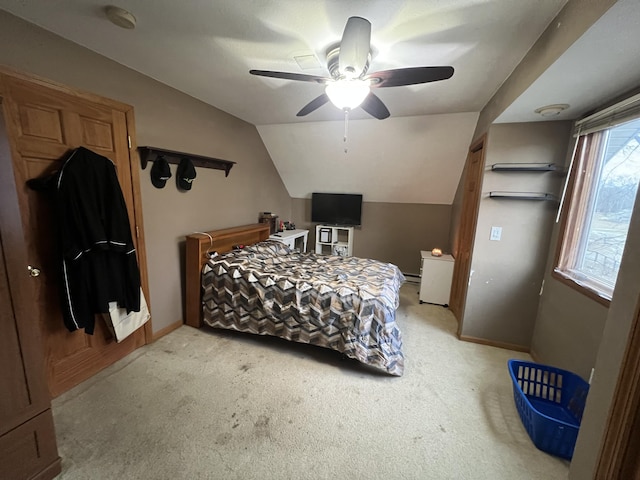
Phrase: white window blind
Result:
[617,114]
[621,112]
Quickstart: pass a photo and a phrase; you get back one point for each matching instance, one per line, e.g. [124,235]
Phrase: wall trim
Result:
[492,343]
[620,444]
[166,330]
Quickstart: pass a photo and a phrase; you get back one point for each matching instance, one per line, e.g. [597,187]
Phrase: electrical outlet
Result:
[496,233]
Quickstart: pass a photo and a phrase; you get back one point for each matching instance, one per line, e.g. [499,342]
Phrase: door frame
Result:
[134,162]
[620,444]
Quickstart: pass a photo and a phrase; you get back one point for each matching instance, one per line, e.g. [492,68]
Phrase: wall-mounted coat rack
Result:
[149,154]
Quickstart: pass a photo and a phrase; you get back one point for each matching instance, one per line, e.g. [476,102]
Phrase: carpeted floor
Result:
[209,404]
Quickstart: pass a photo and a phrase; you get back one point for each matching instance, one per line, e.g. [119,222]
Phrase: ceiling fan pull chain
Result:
[346,129]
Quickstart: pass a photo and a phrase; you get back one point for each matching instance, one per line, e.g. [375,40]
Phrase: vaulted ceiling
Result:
[206,50]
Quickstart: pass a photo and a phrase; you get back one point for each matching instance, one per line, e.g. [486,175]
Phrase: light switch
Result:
[496,233]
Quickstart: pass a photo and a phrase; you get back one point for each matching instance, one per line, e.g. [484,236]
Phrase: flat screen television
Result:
[336,208]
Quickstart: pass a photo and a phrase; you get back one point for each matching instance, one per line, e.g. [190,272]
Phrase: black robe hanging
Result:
[99,262]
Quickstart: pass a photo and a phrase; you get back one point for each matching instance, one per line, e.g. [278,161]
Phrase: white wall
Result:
[397,160]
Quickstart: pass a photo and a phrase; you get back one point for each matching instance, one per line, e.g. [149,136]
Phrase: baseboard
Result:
[50,472]
[534,356]
[168,329]
[492,343]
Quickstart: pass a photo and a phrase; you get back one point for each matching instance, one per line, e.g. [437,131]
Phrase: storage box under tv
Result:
[333,240]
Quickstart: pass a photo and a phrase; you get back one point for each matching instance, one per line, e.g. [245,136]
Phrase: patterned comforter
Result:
[347,304]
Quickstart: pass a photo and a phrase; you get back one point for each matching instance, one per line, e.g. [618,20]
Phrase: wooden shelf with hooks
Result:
[149,154]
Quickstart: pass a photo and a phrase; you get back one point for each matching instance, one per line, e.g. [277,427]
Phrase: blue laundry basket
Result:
[550,402]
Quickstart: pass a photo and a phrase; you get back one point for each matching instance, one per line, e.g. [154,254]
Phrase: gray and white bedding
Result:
[347,304]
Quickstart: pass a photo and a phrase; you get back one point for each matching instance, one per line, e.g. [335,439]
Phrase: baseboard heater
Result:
[412,277]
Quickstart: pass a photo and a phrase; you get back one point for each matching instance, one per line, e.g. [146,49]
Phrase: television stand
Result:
[334,240]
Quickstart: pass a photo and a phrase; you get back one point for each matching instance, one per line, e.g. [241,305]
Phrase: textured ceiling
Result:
[206,48]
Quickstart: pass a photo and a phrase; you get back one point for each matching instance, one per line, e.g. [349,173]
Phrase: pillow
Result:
[269,247]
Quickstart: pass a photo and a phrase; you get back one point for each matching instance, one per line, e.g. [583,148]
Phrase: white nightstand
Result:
[436,274]
[289,237]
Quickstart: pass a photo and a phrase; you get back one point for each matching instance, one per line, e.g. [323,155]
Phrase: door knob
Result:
[33,271]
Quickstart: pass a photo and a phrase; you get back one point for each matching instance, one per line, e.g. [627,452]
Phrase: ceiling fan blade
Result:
[313,105]
[409,76]
[301,77]
[374,107]
[354,47]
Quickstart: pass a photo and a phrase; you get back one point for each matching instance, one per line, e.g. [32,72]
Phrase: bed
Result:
[347,304]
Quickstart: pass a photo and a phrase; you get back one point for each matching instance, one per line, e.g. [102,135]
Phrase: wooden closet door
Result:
[44,125]
[27,437]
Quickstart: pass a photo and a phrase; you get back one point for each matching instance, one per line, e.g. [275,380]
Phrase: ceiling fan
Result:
[349,85]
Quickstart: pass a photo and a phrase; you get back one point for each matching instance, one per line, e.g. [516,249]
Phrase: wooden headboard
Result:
[199,246]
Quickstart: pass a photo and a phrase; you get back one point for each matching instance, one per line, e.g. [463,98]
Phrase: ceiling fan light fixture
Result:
[348,64]
[347,94]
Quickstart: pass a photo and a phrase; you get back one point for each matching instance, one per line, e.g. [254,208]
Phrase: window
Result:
[600,196]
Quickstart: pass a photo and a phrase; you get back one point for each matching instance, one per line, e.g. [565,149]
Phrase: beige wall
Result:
[619,320]
[391,232]
[569,324]
[506,275]
[170,119]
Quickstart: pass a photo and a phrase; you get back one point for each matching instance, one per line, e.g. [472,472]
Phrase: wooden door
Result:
[27,438]
[44,123]
[466,232]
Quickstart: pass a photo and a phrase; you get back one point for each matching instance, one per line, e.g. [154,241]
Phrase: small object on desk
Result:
[277,235]
[436,252]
